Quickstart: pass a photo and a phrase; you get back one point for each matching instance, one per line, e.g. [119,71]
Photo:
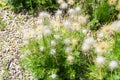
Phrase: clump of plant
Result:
[33,5]
[48,63]
[100,12]
[104,12]
[51,59]
[53,51]
[56,56]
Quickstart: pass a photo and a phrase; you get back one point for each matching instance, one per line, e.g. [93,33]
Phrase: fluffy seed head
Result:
[90,41]
[82,19]
[112,2]
[41,48]
[100,35]
[70,1]
[53,76]
[106,29]
[70,58]
[47,32]
[101,48]
[100,60]
[44,15]
[113,65]
[57,36]
[63,5]
[60,1]
[84,31]
[52,51]
[78,9]
[67,23]
[71,12]
[85,47]
[68,50]
[53,43]
[58,13]
[116,26]
[118,16]
[67,41]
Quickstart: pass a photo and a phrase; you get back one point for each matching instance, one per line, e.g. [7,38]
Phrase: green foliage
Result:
[99,12]
[2,25]
[116,46]
[104,12]
[3,4]
[89,7]
[33,5]
[94,24]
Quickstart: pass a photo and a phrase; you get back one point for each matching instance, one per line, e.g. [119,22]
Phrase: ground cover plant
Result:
[32,6]
[65,48]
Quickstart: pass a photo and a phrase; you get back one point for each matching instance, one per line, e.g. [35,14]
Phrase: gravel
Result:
[11,39]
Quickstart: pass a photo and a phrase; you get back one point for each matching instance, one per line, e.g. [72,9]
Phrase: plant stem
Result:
[111,73]
[56,60]
[115,38]
[100,73]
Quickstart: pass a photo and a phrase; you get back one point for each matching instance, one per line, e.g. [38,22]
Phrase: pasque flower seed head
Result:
[52,51]
[90,41]
[85,47]
[70,58]
[58,13]
[71,12]
[53,43]
[63,5]
[100,60]
[53,76]
[116,26]
[77,9]
[60,1]
[113,65]
[67,41]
